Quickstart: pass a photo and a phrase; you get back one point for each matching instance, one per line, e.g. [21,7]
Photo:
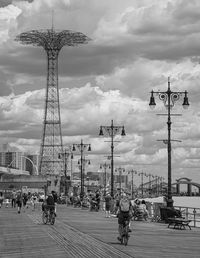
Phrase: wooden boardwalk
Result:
[80,233]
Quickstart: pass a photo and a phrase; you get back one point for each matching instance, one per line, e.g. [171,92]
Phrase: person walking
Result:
[33,201]
[13,199]
[146,212]
[19,201]
[55,197]
[98,199]
[1,199]
[108,200]
[7,202]
[25,199]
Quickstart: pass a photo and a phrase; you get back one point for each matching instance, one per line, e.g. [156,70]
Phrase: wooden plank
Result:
[80,233]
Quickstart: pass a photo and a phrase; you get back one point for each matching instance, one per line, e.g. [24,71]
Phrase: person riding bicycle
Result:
[55,197]
[124,212]
[49,203]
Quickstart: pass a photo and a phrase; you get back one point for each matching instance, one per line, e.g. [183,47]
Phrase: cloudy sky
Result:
[136,45]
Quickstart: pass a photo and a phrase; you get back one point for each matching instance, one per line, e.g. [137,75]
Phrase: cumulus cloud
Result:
[135,46]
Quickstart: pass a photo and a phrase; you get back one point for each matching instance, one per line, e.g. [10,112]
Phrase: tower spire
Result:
[52,20]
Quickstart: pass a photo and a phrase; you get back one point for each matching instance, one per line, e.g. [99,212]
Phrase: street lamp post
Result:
[88,180]
[149,175]
[132,172]
[120,170]
[142,174]
[65,155]
[69,147]
[81,147]
[169,98]
[84,162]
[161,184]
[105,166]
[157,185]
[112,131]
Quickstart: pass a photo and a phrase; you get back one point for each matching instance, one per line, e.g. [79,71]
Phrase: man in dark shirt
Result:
[50,203]
[50,200]
[108,200]
[55,197]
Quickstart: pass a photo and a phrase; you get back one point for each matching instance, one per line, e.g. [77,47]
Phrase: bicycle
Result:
[48,215]
[125,232]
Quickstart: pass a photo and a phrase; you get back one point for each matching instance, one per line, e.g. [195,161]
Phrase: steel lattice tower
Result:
[52,41]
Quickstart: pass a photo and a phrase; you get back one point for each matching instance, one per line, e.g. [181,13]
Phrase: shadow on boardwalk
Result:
[80,233]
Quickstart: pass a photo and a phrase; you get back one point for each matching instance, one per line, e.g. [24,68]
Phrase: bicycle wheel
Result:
[125,237]
[52,219]
[121,233]
[44,217]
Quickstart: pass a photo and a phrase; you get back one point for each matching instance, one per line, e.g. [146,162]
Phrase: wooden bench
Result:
[179,223]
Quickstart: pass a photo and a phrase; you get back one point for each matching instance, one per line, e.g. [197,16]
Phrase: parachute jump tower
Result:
[52,42]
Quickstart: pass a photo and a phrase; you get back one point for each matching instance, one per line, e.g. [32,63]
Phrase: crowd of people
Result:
[22,200]
[121,205]
[19,199]
[89,200]
[94,201]
[98,200]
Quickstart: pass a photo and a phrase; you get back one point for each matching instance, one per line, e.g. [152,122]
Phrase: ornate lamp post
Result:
[120,170]
[88,182]
[69,147]
[105,166]
[112,131]
[169,98]
[65,155]
[161,184]
[157,185]
[81,147]
[84,162]
[132,172]
[142,174]
[149,175]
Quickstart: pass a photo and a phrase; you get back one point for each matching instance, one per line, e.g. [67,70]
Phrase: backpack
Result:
[124,205]
[50,200]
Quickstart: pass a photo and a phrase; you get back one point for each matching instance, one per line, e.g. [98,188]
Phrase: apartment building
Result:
[19,160]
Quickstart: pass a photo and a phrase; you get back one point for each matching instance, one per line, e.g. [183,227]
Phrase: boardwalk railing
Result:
[190,213]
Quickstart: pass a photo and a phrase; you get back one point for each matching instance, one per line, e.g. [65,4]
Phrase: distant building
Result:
[18,160]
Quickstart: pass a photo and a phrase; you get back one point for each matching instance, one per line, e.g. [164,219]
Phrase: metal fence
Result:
[190,213]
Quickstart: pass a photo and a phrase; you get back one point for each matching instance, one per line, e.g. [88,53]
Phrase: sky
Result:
[135,46]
